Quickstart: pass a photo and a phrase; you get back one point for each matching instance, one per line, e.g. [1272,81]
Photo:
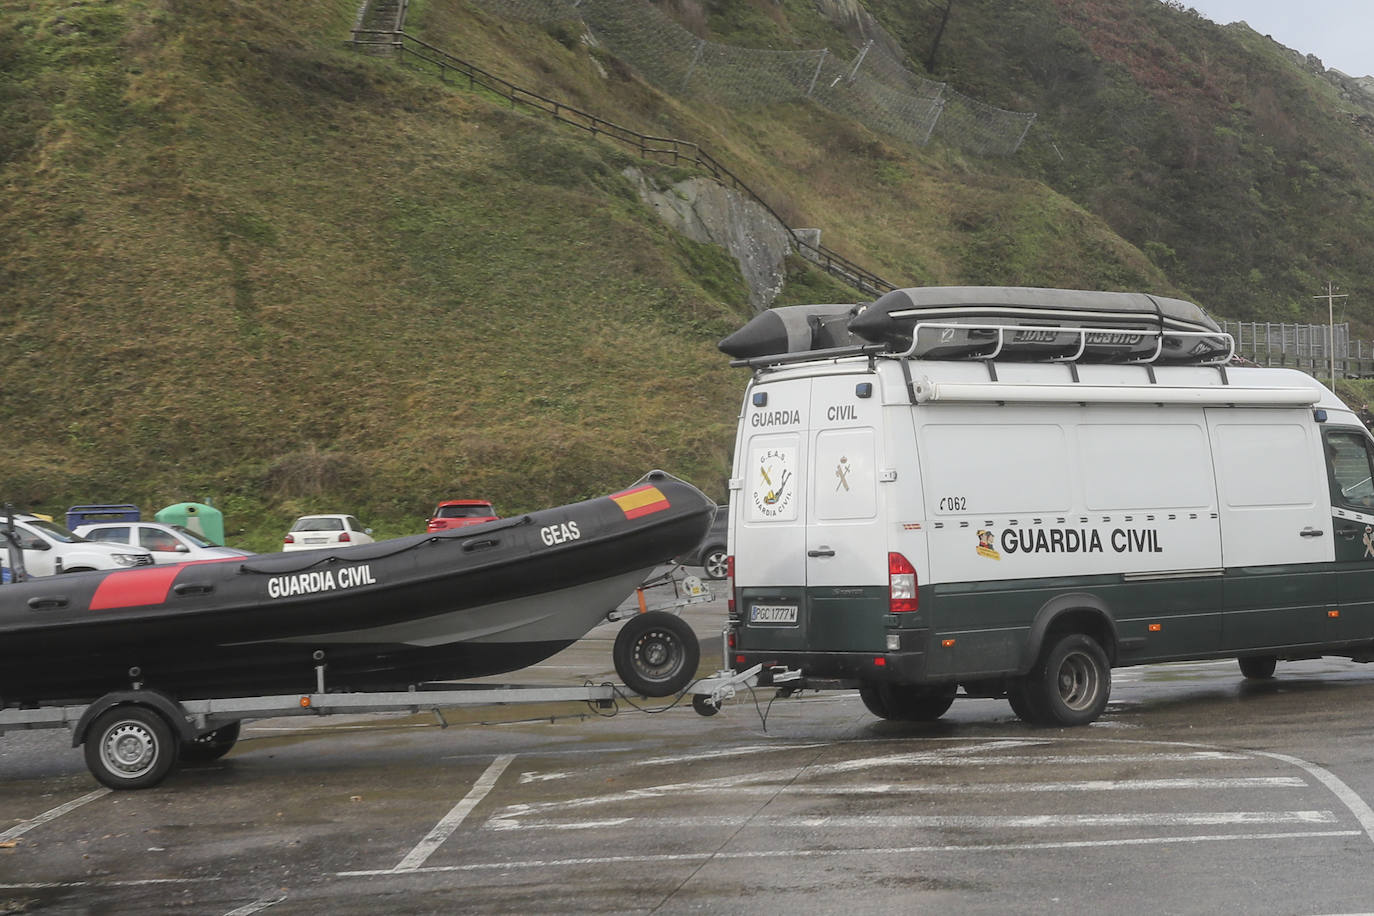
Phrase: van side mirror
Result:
[33,542]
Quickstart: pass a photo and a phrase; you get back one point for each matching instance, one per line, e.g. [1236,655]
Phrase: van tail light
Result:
[730,577]
[288,540]
[901,584]
[344,538]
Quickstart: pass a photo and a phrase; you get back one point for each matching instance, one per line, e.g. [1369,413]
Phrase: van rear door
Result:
[810,551]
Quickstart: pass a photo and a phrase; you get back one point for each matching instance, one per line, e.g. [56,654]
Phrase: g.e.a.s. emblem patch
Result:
[985,542]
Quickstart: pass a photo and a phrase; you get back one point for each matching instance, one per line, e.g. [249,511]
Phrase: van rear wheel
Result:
[908,702]
[1070,685]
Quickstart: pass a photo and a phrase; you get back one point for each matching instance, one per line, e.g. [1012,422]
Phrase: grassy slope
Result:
[1238,172]
[245,264]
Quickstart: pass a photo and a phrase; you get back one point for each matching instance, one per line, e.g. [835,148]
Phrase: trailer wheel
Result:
[656,654]
[1258,667]
[908,702]
[1071,683]
[210,746]
[130,747]
[703,705]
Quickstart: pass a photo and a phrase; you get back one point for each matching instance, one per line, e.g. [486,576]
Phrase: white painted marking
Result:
[1347,795]
[774,777]
[540,777]
[936,821]
[137,882]
[867,852]
[726,752]
[449,823]
[257,906]
[24,827]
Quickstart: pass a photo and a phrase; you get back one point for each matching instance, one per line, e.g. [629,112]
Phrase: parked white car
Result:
[49,548]
[311,532]
[167,543]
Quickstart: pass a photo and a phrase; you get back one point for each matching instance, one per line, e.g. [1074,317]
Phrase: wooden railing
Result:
[661,149]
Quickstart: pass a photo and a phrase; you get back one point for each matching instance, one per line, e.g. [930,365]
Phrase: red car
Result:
[459,513]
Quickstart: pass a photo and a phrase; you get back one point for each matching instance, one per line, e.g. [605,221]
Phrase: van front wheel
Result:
[1070,685]
[1258,667]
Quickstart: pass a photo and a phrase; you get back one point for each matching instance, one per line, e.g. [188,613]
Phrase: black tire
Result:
[656,654]
[703,705]
[715,563]
[1071,683]
[1258,667]
[908,702]
[210,746]
[1019,702]
[130,747]
[875,700]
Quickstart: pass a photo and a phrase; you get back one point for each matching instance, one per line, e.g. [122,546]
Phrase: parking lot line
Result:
[930,821]
[863,853]
[1348,796]
[449,823]
[24,827]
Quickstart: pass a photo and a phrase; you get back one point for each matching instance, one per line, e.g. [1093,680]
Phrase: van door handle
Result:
[821,552]
[1311,533]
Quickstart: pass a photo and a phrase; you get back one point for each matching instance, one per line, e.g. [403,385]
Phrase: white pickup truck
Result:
[49,548]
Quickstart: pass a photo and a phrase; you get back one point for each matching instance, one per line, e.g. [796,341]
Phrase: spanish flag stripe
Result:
[134,587]
[641,501]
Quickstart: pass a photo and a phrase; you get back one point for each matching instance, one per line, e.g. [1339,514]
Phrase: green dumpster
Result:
[206,521]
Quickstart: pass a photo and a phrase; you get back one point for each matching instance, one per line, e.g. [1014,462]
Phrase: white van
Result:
[1017,528]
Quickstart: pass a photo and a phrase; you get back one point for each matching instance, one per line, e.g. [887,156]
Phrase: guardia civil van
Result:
[1014,490]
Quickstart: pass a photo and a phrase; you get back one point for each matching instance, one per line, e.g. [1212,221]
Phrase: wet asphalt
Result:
[1197,792]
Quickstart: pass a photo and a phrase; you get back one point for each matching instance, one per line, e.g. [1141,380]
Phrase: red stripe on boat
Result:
[641,501]
[134,587]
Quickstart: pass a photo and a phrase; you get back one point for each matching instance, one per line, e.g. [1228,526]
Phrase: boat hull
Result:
[472,602]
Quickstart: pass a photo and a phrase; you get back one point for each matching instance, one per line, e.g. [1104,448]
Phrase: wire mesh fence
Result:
[1315,348]
[872,86]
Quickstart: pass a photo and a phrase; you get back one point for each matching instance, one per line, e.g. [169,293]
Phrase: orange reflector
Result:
[1333,614]
[1156,627]
[879,662]
[305,702]
[947,643]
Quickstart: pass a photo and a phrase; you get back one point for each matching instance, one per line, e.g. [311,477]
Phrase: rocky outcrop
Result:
[708,212]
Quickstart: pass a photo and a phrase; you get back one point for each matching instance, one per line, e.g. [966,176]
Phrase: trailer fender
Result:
[1074,612]
[159,702]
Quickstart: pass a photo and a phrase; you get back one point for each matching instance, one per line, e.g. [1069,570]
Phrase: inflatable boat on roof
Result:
[958,321]
[998,322]
[470,602]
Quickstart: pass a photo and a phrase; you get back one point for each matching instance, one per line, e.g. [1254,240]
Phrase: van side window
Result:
[1351,468]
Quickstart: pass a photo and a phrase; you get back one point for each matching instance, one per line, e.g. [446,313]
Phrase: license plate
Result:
[773,613]
[315,540]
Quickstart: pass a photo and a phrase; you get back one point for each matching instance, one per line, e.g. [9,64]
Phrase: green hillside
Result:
[240,262]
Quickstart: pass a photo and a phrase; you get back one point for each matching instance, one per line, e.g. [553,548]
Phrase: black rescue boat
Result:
[470,602]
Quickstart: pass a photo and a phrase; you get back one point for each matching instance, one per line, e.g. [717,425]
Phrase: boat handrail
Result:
[1083,334]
